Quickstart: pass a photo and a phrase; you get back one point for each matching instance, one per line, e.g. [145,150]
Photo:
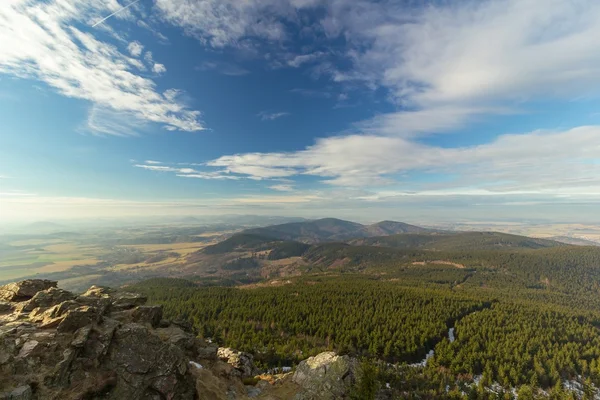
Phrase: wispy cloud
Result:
[135,48]
[159,68]
[186,172]
[227,22]
[85,68]
[282,188]
[15,193]
[539,161]
[224,68]
[104,121]
[270,116]
[299,60]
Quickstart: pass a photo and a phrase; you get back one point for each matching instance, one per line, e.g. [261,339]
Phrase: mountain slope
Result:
[458,241]
[384,228]
[333,229]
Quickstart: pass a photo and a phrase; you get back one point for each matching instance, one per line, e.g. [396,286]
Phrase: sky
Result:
[410,110]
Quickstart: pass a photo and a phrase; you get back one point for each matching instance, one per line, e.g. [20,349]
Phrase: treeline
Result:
[286,324]
[522,344]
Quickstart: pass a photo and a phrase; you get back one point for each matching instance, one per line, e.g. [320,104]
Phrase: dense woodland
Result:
[526,314]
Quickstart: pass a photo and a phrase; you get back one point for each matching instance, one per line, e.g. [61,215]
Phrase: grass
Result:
[181,248]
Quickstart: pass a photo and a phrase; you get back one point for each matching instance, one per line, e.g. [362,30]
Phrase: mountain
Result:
[384,228]
[574,241]
[333,229]
[452,241]
[239,242]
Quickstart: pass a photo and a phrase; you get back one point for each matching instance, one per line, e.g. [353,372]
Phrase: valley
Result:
[434,313]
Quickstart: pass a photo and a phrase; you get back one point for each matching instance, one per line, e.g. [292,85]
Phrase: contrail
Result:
[116,12]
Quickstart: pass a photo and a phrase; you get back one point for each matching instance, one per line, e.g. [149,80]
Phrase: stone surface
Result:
[77,318]
[20,393]
[325,376]
[24,290]
[5,307]
[241,361]
[106,344]
[102,344]
[125,300]
[48,298]
[148,314]
[144,363]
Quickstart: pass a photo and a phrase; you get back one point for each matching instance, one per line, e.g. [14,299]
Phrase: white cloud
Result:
[299,60]
[227,22]
[85,67]
[538,161]
[106,121]
[159,68]
[282,188]
[268,116]
[148,57]
[209,175]
[453,61]
[135,48]
[186,172]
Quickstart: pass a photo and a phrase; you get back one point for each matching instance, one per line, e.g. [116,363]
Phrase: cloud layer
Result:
[52,42]
[536,162]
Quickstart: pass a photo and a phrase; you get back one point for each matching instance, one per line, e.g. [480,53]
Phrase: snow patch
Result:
[196,365]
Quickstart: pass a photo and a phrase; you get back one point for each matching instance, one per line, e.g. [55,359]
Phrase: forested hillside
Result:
[436,315]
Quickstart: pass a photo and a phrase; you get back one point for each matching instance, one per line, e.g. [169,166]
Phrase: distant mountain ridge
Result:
[333,229]
[464,241]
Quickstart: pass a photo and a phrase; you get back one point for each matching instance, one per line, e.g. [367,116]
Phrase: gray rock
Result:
[5,307]
[20,393]
[48,298]
[145,364]
[24,290]
[326,376]
[241,361]
[125,300]
[77,318]
[207,352]
[28,348]
[147,314]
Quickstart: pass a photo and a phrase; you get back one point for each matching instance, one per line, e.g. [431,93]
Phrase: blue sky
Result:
[359,109]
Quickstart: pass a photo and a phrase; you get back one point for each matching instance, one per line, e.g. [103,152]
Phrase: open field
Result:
[181,248]
[129,251]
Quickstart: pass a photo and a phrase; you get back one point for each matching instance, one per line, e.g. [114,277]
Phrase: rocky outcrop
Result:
[241,361]
[103,344]
[107,344]
[24,290]
[325,376]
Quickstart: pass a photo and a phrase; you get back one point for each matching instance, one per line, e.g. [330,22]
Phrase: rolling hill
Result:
[449,241]
[332,229]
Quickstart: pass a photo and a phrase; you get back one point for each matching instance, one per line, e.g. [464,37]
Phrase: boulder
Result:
[28,348]
[241,361]
[20,393]
[5,307]
[147,314]
[207,351]
[144,364]
[125,300]
[77,318]
[325,376]
[106,344]
[48,298]
[24,290]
